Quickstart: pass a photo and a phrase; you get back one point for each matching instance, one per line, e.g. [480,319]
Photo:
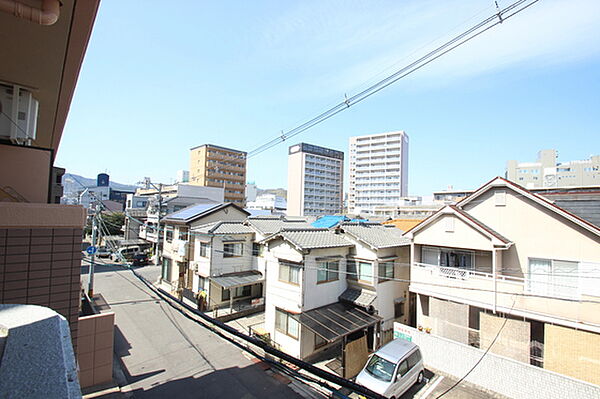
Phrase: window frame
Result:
[383,269]
[233,254]
[286,329]
[331,274]
[203,249]
[291,269]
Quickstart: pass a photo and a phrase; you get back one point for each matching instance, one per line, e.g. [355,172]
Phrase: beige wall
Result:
[572,352]
[514,338]
[463,236]
[26,171]
[295,193]
[198,166]
[95,343]
[537,232]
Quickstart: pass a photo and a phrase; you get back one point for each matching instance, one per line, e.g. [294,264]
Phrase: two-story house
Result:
[508,263]
[177,245]
[305,277]
[378,271]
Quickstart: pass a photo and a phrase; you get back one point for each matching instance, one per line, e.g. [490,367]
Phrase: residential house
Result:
[225,267]
[305,277]
[177,244]
[507,263]
[378,271]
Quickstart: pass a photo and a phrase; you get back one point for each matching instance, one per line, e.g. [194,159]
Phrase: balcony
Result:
[506,293]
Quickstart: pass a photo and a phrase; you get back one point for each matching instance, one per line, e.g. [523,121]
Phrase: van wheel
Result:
[420,378]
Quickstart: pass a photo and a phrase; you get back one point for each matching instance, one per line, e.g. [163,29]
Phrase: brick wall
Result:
[513,341]
[42,266]
[572,352]
[497,373]
[95,342]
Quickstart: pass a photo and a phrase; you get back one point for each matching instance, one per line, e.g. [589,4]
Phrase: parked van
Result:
[126,252]
[393,369]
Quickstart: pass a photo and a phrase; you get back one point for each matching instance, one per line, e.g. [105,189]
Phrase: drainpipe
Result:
[494,273]
[47,15]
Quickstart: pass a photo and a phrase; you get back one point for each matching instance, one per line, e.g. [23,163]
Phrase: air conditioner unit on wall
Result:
[18,114]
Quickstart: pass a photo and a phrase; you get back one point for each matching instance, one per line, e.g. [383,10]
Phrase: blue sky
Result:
[159,80]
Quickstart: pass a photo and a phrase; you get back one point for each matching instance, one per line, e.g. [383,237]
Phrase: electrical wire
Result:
[464,37]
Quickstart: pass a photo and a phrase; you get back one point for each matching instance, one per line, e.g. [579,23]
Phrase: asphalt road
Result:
[163,354]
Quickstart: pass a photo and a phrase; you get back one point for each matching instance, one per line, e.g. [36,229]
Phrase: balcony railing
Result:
[466,273]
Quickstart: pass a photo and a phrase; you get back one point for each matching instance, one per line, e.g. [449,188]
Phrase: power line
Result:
[471,33]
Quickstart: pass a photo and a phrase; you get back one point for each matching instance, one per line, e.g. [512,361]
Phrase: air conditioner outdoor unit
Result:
[18,114]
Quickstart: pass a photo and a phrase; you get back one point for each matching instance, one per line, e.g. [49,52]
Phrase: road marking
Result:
[432,386]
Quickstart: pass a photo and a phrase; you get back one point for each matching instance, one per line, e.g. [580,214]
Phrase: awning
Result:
[234,280]
[337,320]
[358,296]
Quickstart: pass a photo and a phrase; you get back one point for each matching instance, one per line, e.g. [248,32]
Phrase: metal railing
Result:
[467,273]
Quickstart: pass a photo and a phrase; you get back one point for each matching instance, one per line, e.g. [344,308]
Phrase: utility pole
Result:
[158,223]
[93,255]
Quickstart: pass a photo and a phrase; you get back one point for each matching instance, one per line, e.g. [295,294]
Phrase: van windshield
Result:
[380,368]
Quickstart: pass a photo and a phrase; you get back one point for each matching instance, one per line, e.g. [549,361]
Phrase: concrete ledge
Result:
[38,359]
[26,215]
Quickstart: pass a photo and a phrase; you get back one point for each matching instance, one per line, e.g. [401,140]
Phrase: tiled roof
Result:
[376,235]
[269,225]
[314,238]
[224,227]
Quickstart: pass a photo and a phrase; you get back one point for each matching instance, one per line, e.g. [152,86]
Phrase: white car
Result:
[103,252]
[393,369]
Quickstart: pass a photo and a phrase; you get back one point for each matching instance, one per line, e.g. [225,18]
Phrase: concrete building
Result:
[378,171]
[315,180]
[251,192]
[505,259]
[40,241]
[548,172]
[214,166]
[270,202]
[183,176]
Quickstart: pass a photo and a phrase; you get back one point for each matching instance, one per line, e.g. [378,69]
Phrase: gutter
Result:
[46,15]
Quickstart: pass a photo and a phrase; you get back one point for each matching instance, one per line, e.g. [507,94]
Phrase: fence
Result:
[495,373]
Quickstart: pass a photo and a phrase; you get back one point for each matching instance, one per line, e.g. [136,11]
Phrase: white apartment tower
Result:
[315,180]
[378,171]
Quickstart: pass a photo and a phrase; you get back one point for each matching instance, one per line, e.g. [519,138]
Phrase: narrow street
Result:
[163,354]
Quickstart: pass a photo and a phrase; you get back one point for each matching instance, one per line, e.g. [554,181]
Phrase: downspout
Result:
[495,274]
[46,15]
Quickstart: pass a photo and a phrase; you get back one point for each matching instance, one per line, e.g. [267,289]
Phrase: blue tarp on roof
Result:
[329,221]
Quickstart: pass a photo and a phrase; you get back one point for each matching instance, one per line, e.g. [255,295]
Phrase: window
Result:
[286,323]
[169,234]
[225,294]
[386,271]
[243,291]
[380,368]
[327,271]
[553,277]
[258,249]
[183,235]
[232,249]
[359,270]
[402,369]
[166,269]
[289,272]
[447,257]
[204,249]
[413,359]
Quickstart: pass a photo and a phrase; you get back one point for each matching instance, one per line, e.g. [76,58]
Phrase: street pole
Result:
[92,257]
[158,223]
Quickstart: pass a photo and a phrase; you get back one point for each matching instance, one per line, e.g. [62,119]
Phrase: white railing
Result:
[465,274]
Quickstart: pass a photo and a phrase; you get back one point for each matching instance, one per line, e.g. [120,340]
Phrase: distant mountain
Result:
[282,192]
[73,184]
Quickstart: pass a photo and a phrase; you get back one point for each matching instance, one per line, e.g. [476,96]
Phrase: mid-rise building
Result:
[183,176]
[378,171]
[548,172]
[315,180]
[214,166]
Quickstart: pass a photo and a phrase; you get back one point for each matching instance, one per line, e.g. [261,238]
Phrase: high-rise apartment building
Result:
[315,180]
[378,171]
[547,172]
[214,166]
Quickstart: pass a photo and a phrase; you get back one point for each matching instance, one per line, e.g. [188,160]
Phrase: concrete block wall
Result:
[497,373]
[42,266]
[96,344]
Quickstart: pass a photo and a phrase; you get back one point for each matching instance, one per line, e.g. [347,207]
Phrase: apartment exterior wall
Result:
[547,172]
[315,180]
[378,174]
[216,166]
[40,257]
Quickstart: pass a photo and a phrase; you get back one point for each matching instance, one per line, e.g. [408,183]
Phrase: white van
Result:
[393,369]
[126,252]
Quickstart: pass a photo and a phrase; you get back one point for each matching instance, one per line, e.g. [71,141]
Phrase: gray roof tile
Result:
[313,238]
[224,227]
[376,235]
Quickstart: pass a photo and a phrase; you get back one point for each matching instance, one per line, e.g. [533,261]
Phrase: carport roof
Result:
[336,321]
[234,280]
